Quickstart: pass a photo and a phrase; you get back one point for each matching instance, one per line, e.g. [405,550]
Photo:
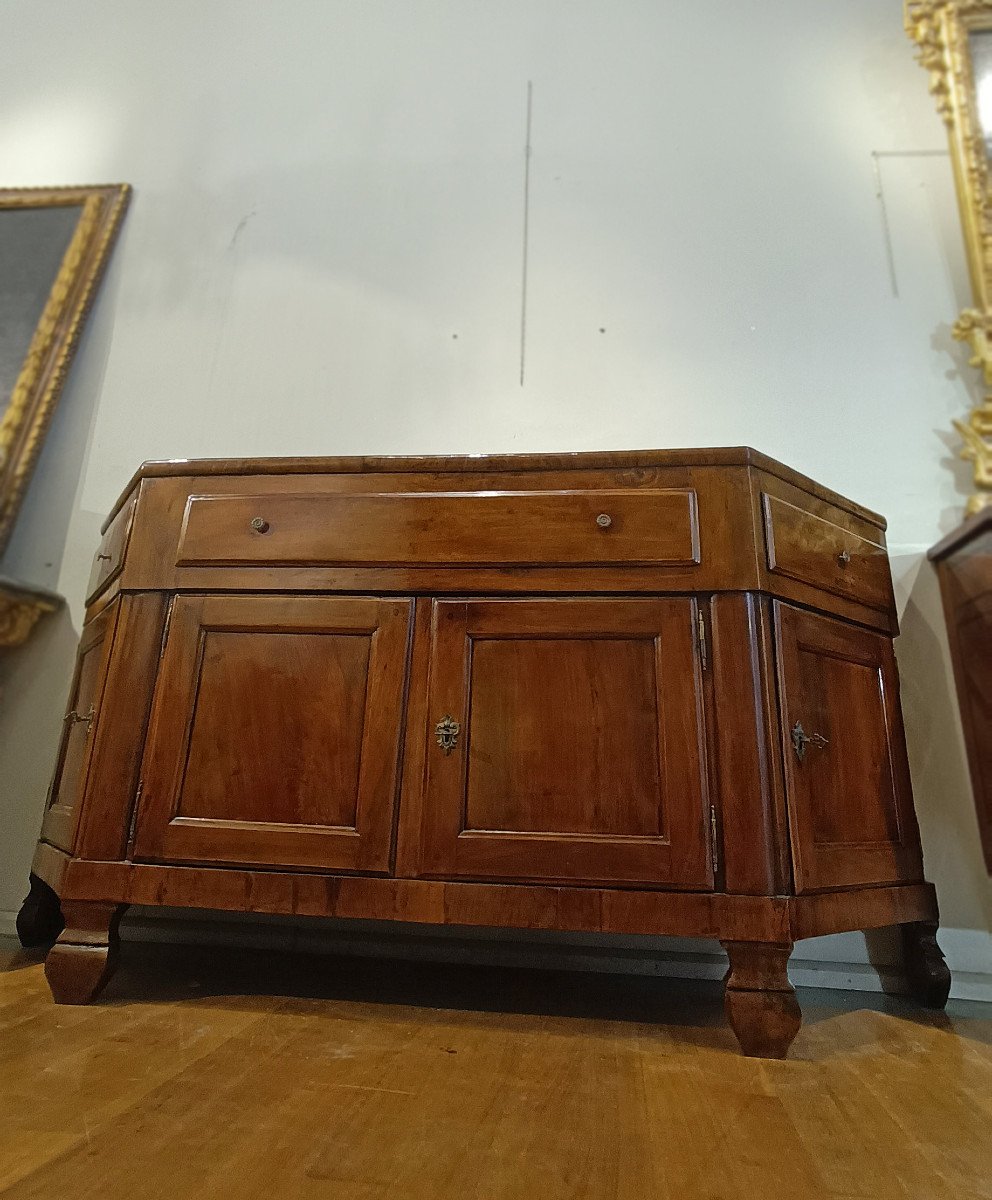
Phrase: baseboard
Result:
[840,962]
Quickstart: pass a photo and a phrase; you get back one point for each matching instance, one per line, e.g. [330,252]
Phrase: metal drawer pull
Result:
[800,740]
[446,731]
[604,520]
[73,718]
[104,557]
[260,525]
[843,558]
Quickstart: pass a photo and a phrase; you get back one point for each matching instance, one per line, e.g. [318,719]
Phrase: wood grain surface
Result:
[256,1076]
[274,735]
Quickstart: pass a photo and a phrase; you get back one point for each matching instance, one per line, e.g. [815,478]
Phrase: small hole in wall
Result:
[601,329]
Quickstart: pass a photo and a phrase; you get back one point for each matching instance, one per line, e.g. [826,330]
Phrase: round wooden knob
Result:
[260,525]
[604,520]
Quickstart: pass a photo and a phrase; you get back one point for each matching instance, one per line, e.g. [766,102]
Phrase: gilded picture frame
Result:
[944,31]
[90,218]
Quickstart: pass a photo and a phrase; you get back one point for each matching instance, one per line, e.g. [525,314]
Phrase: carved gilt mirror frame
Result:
[54,245]
[955,46]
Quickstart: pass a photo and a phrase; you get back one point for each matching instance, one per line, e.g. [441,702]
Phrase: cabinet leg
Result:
[84,957]
[929,978]
[760,1001]
[40,920]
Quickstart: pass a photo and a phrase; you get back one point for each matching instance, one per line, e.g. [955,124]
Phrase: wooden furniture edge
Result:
[970,528]
[861,908]
[524,906]
[521,906]
[50,865]
[733,456]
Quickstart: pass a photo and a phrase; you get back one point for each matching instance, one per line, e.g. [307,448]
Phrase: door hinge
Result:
[134,814]
[165,629]
[714,843]
[701,638]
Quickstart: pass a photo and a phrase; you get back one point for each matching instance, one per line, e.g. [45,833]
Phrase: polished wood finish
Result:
[804,546]
[543,693]
[825,584]
[727,508]
[108,562]
[581,750]
[516,906]
[78,730]
[459,528]
[850,800]
[264,1076]
[83,959]
[633,464]
[753,826]
[760,1001]
[704,498]
[964,566]
[122,720]
[860,908]
[303,775]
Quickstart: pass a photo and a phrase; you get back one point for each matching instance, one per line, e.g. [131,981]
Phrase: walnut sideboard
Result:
[649,692]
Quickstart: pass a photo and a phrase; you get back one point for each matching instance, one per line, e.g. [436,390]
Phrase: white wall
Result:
[324,256]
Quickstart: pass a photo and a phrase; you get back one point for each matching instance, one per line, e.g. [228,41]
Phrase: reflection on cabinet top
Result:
[501,464]
[637,522]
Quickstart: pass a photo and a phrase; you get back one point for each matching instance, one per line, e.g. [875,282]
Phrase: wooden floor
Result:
[235,1075]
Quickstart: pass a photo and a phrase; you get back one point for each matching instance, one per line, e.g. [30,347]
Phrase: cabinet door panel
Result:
[850,798]
[590,702]
[275,730]
[78,731]
[580,749]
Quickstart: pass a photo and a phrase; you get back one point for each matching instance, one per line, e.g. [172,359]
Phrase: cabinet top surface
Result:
[489,464]
[969,531]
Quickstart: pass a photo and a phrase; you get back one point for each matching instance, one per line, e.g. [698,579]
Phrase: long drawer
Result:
[589,527]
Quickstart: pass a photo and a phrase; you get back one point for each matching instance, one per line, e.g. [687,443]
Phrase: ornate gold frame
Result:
[36,391]
[20,609]
[941,28]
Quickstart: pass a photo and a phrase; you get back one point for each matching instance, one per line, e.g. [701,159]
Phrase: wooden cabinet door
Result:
[274,735]
[578,753]
[850,799]
[78,730]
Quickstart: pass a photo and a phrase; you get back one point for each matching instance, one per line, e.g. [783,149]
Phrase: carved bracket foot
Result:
[40,920]
[760,1001]
[929,978]
[83,959]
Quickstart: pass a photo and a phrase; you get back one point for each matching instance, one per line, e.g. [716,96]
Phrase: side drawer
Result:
[807,547]
[109,559]
[447,528]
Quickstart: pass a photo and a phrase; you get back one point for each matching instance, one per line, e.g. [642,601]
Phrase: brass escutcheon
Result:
[800,740]
[446,731]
